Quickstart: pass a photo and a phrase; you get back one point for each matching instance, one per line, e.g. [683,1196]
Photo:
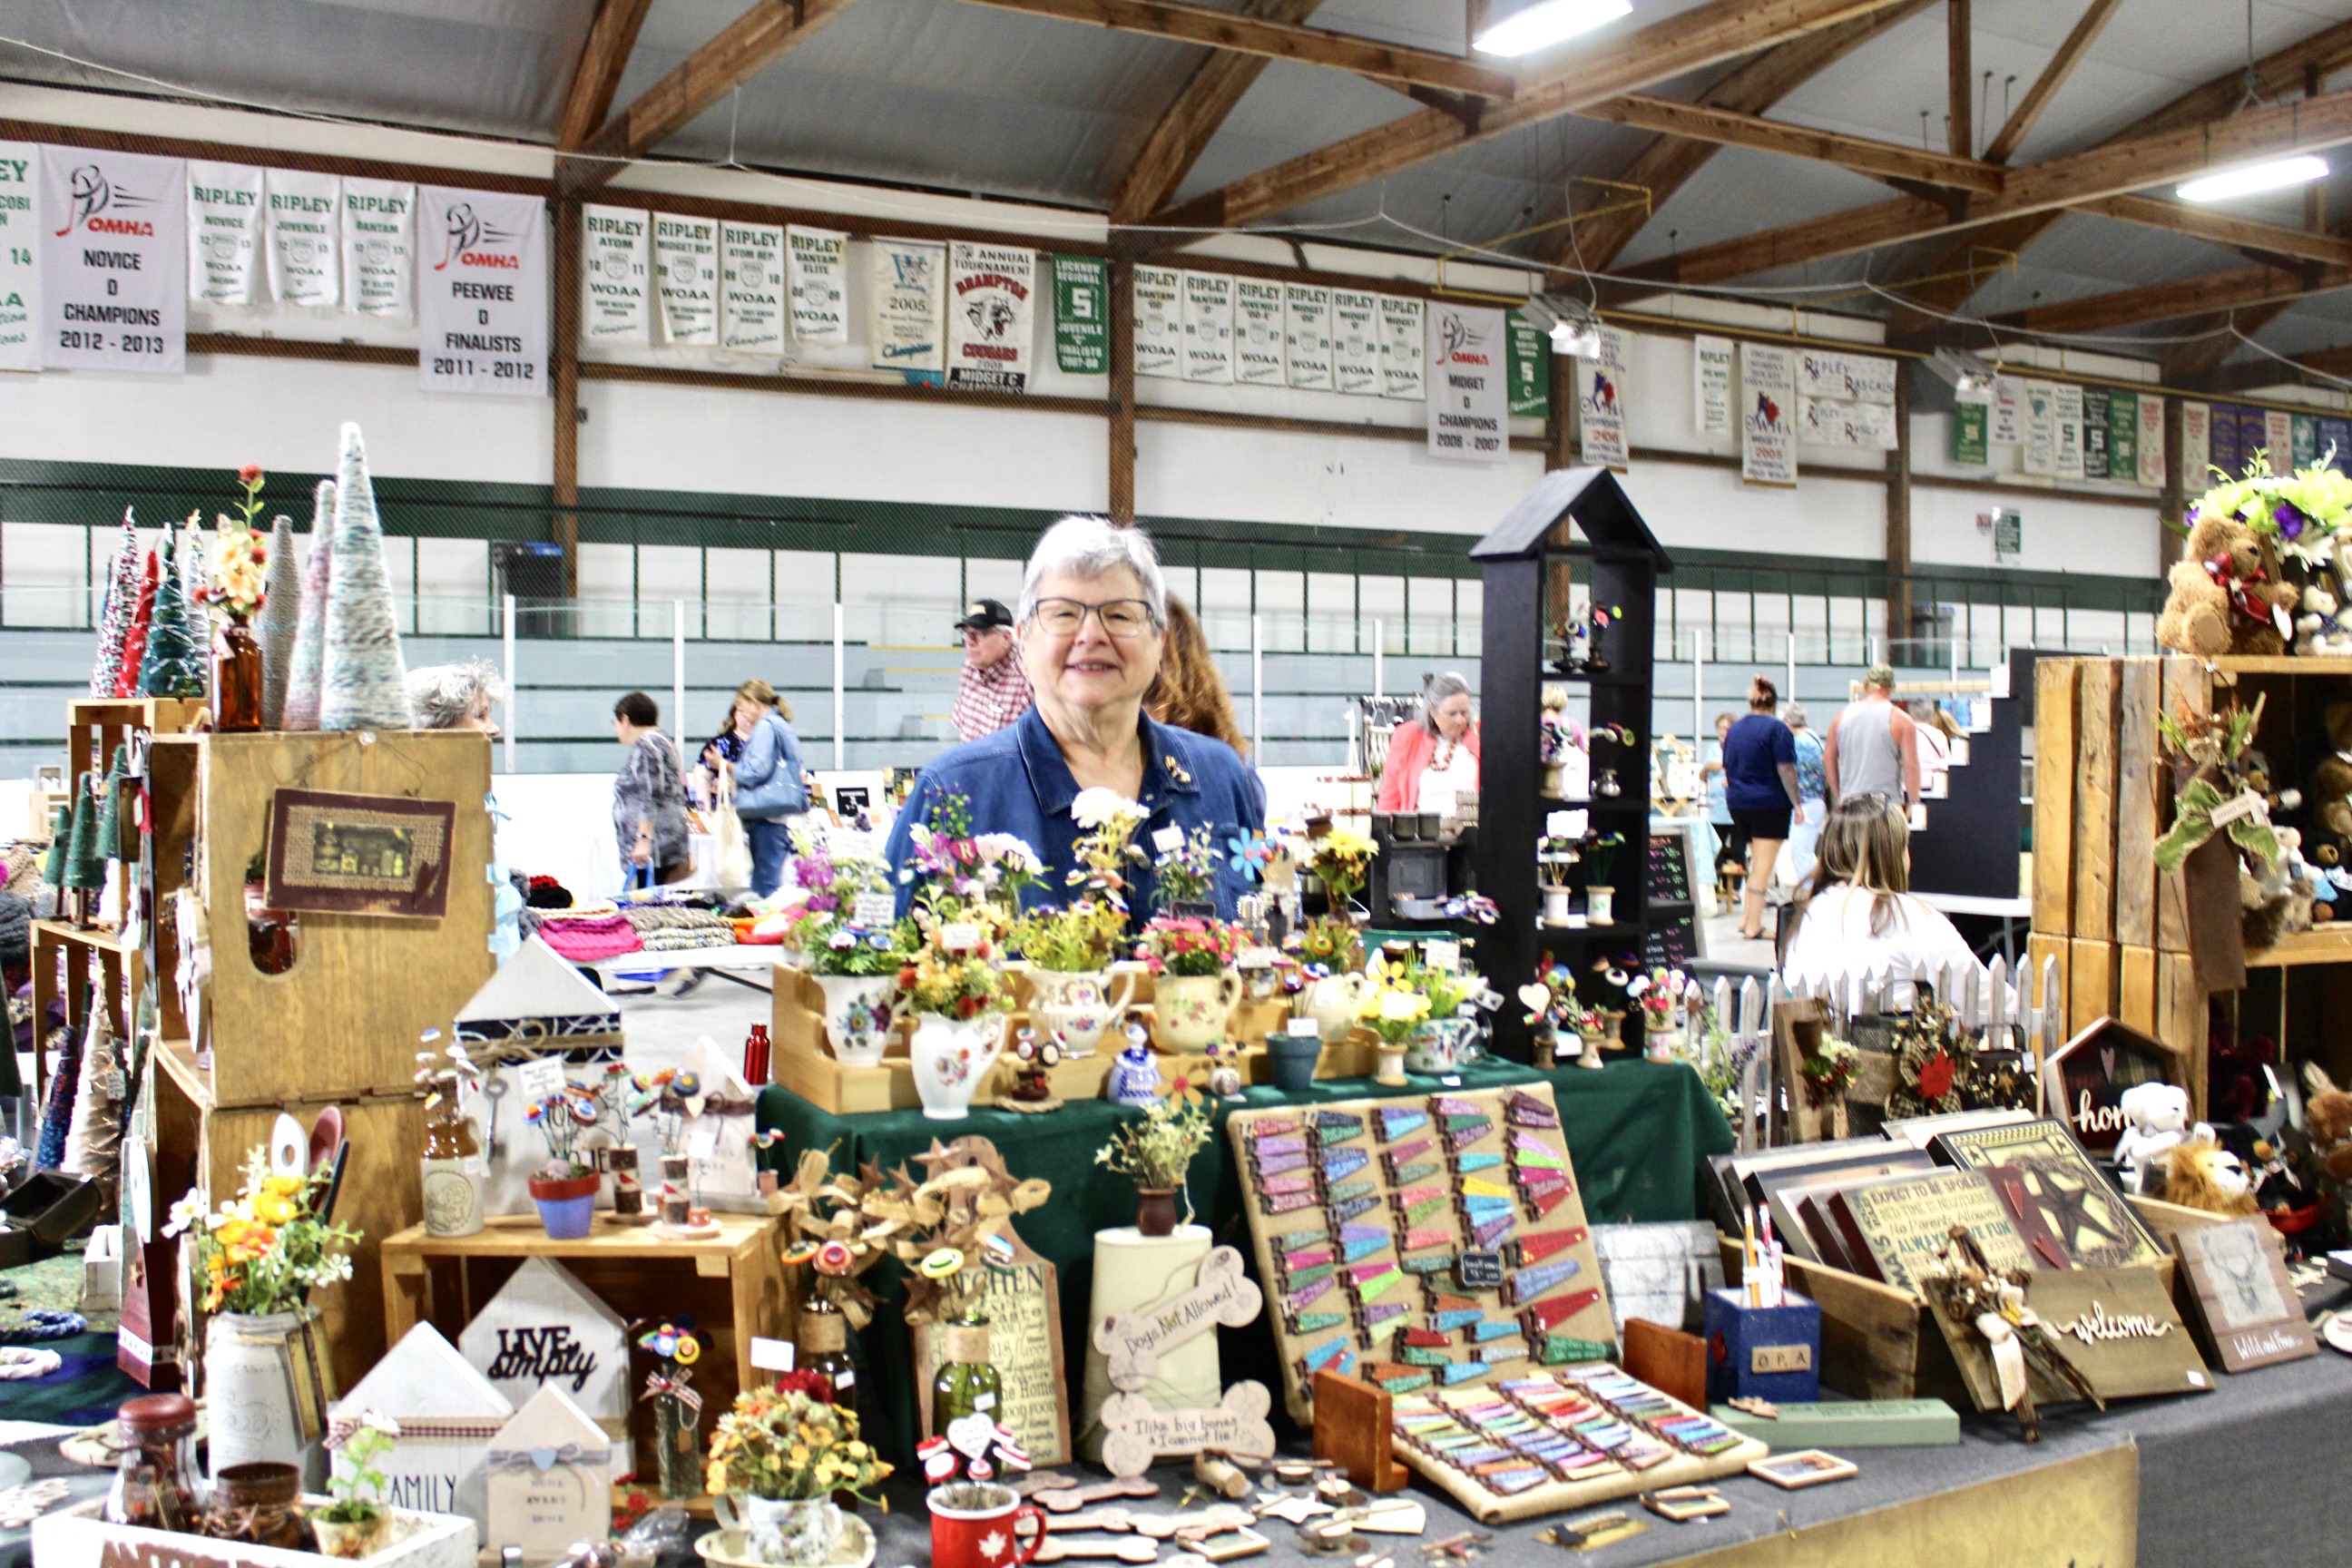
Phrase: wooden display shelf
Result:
[123,977]
[804,1064]
[2330,943]
[733,1283]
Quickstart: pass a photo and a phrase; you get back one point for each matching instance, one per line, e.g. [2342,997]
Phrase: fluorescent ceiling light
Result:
[2254,177]
[1532,25]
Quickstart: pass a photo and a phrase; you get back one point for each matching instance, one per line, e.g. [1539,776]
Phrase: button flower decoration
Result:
[240,560]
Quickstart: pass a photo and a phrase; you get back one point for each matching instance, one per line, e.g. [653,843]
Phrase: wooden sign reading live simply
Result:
[1025,1341]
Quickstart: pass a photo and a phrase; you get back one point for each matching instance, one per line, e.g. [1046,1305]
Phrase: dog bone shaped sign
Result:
[1097,1548]
[1135,1433]
[1132,1342]
[1069,1499]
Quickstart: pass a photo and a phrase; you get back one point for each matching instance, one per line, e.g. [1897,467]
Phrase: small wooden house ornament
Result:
[546,1330]
[536,1007]
[538,997]
[2083,1081]
[447,1412]
[550,1480]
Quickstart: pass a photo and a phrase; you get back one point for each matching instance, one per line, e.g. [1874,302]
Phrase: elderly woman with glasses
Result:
[1090,630]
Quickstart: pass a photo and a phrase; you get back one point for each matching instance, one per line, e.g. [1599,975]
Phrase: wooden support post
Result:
[563,367]
[2141,776]
[2172,504]
[1122,394]
[1560,452]
[1958,69]
[1898,519]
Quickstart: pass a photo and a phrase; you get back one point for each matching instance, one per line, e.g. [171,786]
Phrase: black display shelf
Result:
[1578,526]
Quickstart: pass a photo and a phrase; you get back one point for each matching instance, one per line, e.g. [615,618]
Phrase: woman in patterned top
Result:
[648,796]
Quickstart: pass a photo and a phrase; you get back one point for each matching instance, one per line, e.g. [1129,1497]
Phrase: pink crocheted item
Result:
[585,941]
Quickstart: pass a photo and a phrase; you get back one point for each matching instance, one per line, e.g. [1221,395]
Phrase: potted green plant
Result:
[353,1525]
[1600,868]
[1156,1153]
[777,1461]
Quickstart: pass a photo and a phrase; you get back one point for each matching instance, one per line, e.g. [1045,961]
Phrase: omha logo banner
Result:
[114,261]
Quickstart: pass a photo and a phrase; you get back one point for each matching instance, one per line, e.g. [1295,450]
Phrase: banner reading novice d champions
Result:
[990,291]
[114,261]
[482,292]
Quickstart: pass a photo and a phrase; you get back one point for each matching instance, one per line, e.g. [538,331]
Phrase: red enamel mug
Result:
[976,1524]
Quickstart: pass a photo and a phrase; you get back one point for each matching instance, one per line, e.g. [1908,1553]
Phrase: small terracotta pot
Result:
[1155,1211]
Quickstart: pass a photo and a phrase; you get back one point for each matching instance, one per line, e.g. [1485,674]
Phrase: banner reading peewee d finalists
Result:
[991,290]
[114,262]
[1469,391]
[482,292]
[20,279]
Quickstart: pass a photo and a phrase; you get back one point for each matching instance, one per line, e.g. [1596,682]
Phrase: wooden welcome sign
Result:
[1024,1303]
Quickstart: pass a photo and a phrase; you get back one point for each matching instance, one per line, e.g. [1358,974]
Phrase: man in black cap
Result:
[994,689]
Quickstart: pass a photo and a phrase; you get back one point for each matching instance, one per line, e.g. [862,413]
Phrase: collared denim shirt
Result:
[1017,783]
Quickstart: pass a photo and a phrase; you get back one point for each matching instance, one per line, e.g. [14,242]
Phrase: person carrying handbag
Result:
[769,796]
[732,859]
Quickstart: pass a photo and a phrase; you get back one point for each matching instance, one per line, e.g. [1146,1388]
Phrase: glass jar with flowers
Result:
[257,1260]
[1076,992]
[234,592]
[675,1345]
[1341,859]
[1330,954]
[1156,1153]
[1194,984]
[778,1459]
[958,994]
[353,1525]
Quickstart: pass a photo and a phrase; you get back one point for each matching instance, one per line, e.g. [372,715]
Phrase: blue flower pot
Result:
[566,1208]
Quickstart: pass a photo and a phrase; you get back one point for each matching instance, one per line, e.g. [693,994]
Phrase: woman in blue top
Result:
[769,793]
[1092,626]
[1759,784]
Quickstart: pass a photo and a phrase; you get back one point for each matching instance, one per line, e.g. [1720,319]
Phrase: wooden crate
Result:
[1879,1342]
[803,1064]
[200,1144]
[94,726]
[344,1020]
[63,949]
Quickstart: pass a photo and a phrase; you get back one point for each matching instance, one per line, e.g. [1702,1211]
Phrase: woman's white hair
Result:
[1089,547]
[443,695]
[1434,689]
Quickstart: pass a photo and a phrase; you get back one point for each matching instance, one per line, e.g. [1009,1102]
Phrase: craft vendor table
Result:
[1638,1133]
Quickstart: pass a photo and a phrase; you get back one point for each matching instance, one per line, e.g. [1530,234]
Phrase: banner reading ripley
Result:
[113,261]
[1469,386]
[482,292]
[20,279]
[990,290]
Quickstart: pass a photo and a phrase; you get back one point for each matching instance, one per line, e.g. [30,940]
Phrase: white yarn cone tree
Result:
[363,685]
[121,609]
[94,1135]
[301,710]
[280,613]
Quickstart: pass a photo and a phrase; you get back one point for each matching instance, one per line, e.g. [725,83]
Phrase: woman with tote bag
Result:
[769,794]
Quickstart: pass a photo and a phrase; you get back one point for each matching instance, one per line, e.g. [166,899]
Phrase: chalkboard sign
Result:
[1673,936]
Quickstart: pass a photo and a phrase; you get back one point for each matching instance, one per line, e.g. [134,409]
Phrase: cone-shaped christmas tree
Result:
[53,867]
[85,869]
[121,607]
[135,637]
[94,1128]
[57,1112]
[310,619]
[109,805]
[363,685]
[280,612]
[174,664]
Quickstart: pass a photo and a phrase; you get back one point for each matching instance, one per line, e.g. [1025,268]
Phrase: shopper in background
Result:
[1759,785]
[1730,844]
[649,796]
[1856,915]
[1812,792]
[770,794]
[725,746]
[457,695]
[1874,746]
[1432,757]
[1190,693]
[1093,632]
[994,690]
[1936,730]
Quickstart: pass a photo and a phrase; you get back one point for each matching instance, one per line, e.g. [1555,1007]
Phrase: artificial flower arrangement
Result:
[1392,1008]
[951,976]
[831,884]
[958,874]
[1107,848]
[1552,1004]
[569,1111]
[1190,945]
[793,1443]
[240,560]
[2305,512]
[850,950]
[1330,941]
[827,1228]
[1083,935]
[349,1525]
[1186,872]
[268,1248]
[1157,1152]
[1828,1070]
[1658,997]
[1341,859]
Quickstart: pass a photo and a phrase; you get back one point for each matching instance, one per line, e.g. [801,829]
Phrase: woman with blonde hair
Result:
[769,794]
[1856,913]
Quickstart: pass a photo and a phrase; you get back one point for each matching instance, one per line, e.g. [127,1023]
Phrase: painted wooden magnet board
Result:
[1547,1439]
[1024,1339]
[1420,1243]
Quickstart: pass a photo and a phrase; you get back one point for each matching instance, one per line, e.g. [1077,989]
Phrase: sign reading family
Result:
[481,316]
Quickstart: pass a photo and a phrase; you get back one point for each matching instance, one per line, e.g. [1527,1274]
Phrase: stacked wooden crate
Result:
[2102,797]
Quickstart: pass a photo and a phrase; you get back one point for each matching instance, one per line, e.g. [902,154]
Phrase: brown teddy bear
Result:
[2328,1115]
[2227,595]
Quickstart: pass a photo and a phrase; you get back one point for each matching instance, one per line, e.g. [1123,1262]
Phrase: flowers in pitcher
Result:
[1185,872]
[1189,945]
[791,1442]
[268,1248]
[955,972]
[954,870]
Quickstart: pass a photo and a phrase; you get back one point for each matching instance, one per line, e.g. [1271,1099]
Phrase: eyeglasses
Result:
[1121,618]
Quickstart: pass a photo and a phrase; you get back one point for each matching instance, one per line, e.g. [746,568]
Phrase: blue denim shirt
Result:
[1017,783]
[767,773]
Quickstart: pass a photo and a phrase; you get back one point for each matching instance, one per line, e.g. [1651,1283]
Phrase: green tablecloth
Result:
[1638,1133]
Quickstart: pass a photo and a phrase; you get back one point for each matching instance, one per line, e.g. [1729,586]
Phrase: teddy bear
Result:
[2155,1117]
[2327,1117]
[2228,595]
[2278,902]
[2198,1173]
